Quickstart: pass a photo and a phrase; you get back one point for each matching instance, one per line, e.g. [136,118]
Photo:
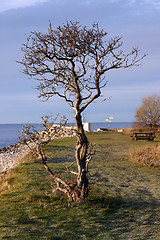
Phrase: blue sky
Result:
[137,21]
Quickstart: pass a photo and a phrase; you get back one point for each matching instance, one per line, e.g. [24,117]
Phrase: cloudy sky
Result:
[137,21]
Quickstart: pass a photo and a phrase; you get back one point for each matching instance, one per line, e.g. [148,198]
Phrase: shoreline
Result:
[10,156]
[9,132]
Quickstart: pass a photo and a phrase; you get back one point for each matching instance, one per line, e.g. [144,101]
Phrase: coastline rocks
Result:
[9,157]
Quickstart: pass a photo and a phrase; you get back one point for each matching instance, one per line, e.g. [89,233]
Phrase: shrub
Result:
[146,155]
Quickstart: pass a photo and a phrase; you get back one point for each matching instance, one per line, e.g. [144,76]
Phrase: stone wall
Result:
[10,156]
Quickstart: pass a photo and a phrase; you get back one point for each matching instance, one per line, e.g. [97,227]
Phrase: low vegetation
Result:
[146,155]
[123,202]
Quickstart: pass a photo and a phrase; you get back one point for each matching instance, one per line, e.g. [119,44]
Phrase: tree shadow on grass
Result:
[60,160]
[123,216]
[100,216]
[59,148]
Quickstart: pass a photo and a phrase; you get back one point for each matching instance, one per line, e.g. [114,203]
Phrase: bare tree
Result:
[148,114]
[70,61]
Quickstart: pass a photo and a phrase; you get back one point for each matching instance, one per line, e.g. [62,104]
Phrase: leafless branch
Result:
[71,61]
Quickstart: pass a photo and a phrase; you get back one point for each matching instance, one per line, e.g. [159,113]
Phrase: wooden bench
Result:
[143,136]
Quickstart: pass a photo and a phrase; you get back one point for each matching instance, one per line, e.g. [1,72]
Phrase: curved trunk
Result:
[80,154]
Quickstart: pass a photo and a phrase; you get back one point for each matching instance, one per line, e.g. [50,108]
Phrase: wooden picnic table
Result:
[143,136]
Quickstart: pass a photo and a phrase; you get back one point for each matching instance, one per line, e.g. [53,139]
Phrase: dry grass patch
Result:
[146,155]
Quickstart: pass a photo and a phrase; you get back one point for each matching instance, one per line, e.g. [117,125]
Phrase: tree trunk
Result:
[81,154]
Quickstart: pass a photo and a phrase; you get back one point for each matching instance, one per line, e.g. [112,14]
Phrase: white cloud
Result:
[14,4]
[154,3]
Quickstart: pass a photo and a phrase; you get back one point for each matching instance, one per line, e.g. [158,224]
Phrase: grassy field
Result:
[123,201]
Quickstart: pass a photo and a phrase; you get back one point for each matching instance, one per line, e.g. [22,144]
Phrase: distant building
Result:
[87,127]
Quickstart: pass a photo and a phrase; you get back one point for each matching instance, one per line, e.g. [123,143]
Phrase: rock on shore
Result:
[9,157]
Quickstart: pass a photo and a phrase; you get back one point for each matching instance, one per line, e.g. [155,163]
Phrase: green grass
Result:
[123,201]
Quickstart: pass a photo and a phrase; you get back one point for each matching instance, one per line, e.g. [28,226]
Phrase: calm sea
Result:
[9,132]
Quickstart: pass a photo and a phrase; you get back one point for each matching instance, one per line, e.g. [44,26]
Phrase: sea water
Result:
[9,132]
